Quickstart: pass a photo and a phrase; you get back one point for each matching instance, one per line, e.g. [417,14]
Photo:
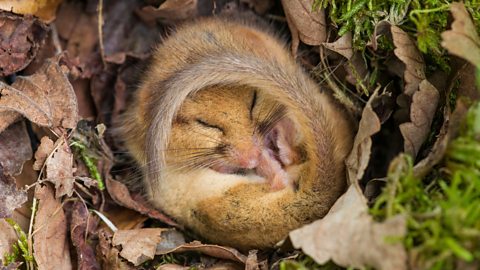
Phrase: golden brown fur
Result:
[215,64]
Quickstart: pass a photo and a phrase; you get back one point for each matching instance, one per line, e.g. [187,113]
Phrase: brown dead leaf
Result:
[10,197]
[110,255]
[124,218]
[462,40]
[466,92]
[15,148]
[172,11]
[422,111]
[43,151]
[78,229]
[342,46]
[8,237]
[359,157]
[216,251]
[20,40]
[50,244]
[138,246]
[44,9]
[45,98]
[121,195]
[305,24]
[408,53]
[59,168]
[349,236]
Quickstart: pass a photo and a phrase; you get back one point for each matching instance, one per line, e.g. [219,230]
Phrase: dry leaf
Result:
[359,157]
[408,53]
[216,251]
[342,46]
[50,244]
[172,11]
[422,111]
[59,168]
[8,237]
[15,148]
[10,197]
[349,236]
[45,98]
[305,24]
[43,151]
[462,40]
[124,218]
[138,246]
[110,255]
[78,229]
[20,40]
[451,120]
[44,9]
[121,195]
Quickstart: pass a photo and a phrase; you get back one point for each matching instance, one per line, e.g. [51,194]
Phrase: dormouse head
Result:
[233,129]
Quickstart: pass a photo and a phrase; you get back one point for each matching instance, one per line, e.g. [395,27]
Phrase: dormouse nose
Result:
[247,154]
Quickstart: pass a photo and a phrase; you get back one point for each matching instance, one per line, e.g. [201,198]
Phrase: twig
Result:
[100,31]
[56,40]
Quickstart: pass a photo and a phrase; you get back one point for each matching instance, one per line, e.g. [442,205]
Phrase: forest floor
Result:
[407,71]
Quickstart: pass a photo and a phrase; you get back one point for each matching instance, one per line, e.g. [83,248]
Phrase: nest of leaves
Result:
[406,70]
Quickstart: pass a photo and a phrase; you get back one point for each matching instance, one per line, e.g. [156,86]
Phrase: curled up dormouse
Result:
[235,141]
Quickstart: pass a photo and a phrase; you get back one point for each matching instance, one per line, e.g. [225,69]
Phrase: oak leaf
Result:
[50,244]
[59,168]
[422,111]
[350,237]
[15,148]
[10,197]
[358,159]
[45,98]
[305,24]
[462,40]
[408,53]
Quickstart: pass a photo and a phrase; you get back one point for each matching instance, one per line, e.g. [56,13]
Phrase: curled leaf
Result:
[20,40]
[422,111]
[15,148]
[139,245]
[305,24]
[462,40]
[10,197]
[359,157]
[408,53]
[121,195]
[46,147]
[351,238]
[50,244]
[78,229]
[342,46]
[45,98]
[59,168]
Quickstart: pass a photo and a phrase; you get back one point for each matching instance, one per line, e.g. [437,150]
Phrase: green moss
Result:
[81,150]
[443,217]
[424,20]
[19,251]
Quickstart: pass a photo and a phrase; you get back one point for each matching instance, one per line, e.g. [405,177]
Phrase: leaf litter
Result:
[78,84]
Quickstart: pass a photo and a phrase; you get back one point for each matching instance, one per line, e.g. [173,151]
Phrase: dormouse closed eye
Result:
[208,125]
